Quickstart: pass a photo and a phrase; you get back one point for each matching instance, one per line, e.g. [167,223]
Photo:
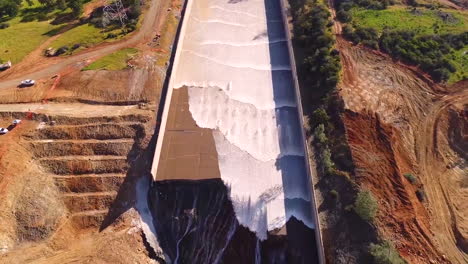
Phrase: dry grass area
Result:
[123,86]
[398,122]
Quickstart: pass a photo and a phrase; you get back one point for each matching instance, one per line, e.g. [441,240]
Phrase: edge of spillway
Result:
[170,87]
[292,61]
[185,13]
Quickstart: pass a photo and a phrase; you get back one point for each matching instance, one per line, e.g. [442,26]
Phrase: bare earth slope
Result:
[67,189]
[399,122]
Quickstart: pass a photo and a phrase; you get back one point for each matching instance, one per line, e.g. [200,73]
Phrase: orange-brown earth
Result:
[68,172]
[397,122]
[67,188]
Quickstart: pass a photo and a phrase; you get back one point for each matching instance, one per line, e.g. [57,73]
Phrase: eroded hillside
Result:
[399,123]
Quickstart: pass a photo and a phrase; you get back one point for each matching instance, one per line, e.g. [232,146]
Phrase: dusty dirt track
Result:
[397,122]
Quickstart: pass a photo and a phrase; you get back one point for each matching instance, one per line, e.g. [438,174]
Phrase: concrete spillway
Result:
[231,152]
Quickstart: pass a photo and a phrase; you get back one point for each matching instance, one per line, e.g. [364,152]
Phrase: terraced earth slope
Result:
[88,163]
[80,175]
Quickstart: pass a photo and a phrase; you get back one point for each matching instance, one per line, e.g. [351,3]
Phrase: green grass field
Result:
[86,35]
[32,27]
[424,21]
[115,61]
[22,38]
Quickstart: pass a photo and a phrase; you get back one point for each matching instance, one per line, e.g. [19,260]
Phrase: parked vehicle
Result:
[27,82]
[5,66]
[3,131]
[16,122]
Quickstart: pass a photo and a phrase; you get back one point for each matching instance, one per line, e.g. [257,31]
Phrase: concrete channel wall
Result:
[170,88]
[292,60]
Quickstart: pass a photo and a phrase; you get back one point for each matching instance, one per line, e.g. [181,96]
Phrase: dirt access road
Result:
[47,67]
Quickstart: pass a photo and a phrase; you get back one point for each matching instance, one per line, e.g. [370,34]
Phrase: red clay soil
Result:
[398,122]
[381,163]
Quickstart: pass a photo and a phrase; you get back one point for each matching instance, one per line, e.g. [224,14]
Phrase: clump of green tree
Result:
[319,73]
[321,65]
[366,206]
[385,253]
[343,7]
[323,125]
[75,5]
[134,8]
[430,53]
[411,178]
[9,8]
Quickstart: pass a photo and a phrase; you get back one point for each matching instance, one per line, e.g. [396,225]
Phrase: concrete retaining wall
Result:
[170,88]
[292,60]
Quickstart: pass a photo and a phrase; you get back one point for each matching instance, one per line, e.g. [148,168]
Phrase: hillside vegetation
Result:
[352,208]
[421,21]
[434,39]
[26,24]
[21,32]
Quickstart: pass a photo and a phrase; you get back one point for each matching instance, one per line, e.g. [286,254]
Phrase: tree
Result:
[328,164]
[9,8]
[48,3]
[441,74]
[76,7]
[343,16]
[319,116]
[319,134]
[135,9]
[385,253]
[367,33]
[410,178]
[62,4]
[366,206]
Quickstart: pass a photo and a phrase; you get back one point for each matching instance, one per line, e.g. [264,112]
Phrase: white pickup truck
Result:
[5,66]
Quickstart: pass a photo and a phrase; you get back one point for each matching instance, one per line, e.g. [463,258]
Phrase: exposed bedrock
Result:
[195,223]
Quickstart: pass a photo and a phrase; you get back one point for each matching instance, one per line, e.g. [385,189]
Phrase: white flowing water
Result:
[234,61]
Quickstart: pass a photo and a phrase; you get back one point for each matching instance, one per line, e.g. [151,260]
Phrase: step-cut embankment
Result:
[90,131]
[88,162]
[87,147]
